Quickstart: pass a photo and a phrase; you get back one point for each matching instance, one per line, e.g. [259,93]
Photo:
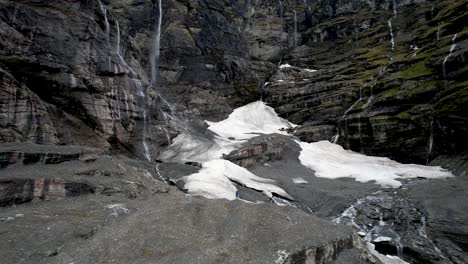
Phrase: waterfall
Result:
[117,48]
[394,7]
[392,39]
[369,101]
[430,141]
[390,26]
[138,86]
[337,136]
[106,22]
[452,48]
[107,32]
[145,145]
[155,50]
[359,132]
[295,29]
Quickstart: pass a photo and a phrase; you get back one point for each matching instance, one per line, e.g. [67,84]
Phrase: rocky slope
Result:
[89,89]
[100,209]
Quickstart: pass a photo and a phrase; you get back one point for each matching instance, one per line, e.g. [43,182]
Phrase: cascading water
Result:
[145,145]
[430,142]
[452,48]
[117,47]
[371,97]
[154,60]
[359,131]
[394,7]
[155,50]
[392,39]
[390,26]
[114,94]
[337,136]
[106,22]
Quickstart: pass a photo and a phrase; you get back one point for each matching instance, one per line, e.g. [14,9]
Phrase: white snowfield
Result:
[249,121]
[186,147]
[328,160]
[213,181]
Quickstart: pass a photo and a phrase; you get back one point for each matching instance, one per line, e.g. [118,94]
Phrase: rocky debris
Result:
[258,150]
[145,231]
[395,225]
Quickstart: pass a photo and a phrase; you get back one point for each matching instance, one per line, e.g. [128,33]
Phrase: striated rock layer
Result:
[390,79]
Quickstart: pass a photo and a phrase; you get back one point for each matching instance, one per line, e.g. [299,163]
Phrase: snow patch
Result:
[329,160]
[213,181]
[250,120]
[287,65]
[282,256]
[188,147]
[117,209]
[382,239]
[299,180]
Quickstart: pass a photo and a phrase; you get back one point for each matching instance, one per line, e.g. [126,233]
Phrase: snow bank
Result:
[187,147]
[332,161]
[328,160]
[286,65]
[213,181]
[299,180]
[250,120]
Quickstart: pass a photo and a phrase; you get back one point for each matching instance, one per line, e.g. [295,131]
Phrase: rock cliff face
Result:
[391,74]
[82,82]
[391,79]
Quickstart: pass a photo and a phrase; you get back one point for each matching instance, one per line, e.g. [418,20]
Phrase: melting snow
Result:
[299,180]
[282,66]
[187,147]
[329,160]
[250,120]
[214,181]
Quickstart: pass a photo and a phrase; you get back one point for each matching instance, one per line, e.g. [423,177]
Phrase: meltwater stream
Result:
[155,49]
[452,48]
